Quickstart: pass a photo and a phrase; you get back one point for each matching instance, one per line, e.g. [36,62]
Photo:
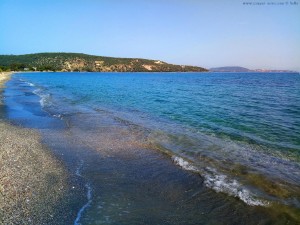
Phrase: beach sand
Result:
[4,76]
[32,180]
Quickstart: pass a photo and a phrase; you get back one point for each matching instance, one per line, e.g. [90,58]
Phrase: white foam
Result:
[45,98]
[30,84]
[221,183]
[78,169]
[88,195]
[89,198]
[27,82]
[58,116]
[183,163]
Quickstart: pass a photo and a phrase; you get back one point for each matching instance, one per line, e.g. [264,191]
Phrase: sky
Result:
[208,33]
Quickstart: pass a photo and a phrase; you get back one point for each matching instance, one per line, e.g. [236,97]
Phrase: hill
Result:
[243,69]
[84,62]
[229,69]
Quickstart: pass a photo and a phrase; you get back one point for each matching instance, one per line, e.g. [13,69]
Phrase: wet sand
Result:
[32,180]
[4,76]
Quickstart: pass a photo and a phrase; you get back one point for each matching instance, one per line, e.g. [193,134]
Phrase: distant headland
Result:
[90,63]
[243,69]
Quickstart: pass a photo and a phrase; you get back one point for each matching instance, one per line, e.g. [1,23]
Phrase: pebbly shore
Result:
[32,181]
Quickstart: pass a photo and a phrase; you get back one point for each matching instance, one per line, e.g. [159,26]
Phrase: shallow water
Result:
[171,148]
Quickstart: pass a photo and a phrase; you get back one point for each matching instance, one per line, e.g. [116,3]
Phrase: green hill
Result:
[83,62]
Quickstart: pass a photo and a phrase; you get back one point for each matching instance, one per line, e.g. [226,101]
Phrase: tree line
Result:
[23,67]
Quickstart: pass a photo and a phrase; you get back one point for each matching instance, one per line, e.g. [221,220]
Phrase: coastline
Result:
[32,180]
[4,76]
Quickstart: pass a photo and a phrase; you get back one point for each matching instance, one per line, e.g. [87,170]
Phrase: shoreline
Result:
[116,151]
[4,77]
[32,181]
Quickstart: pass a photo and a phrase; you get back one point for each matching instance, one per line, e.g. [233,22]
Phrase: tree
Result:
[17,66]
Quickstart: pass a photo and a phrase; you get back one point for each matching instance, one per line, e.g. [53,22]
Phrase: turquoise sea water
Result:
[237,134]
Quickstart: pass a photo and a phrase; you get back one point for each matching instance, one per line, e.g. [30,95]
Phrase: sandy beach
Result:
[32,180]
[4,76]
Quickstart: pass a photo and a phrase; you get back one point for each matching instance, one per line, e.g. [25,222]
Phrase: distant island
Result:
[90,63]
[243,69]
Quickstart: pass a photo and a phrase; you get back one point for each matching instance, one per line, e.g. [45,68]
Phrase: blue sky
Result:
[206,33]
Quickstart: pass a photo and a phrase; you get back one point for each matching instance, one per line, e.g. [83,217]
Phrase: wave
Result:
[59,116]
[45,97]
[27,82]
[222,183]
[30,84]
[184,164]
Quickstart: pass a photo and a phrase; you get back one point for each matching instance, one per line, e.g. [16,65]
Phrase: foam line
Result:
[221,183]
[88,195]
[86,205]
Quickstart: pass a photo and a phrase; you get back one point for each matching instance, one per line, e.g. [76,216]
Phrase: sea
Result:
[169,148]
